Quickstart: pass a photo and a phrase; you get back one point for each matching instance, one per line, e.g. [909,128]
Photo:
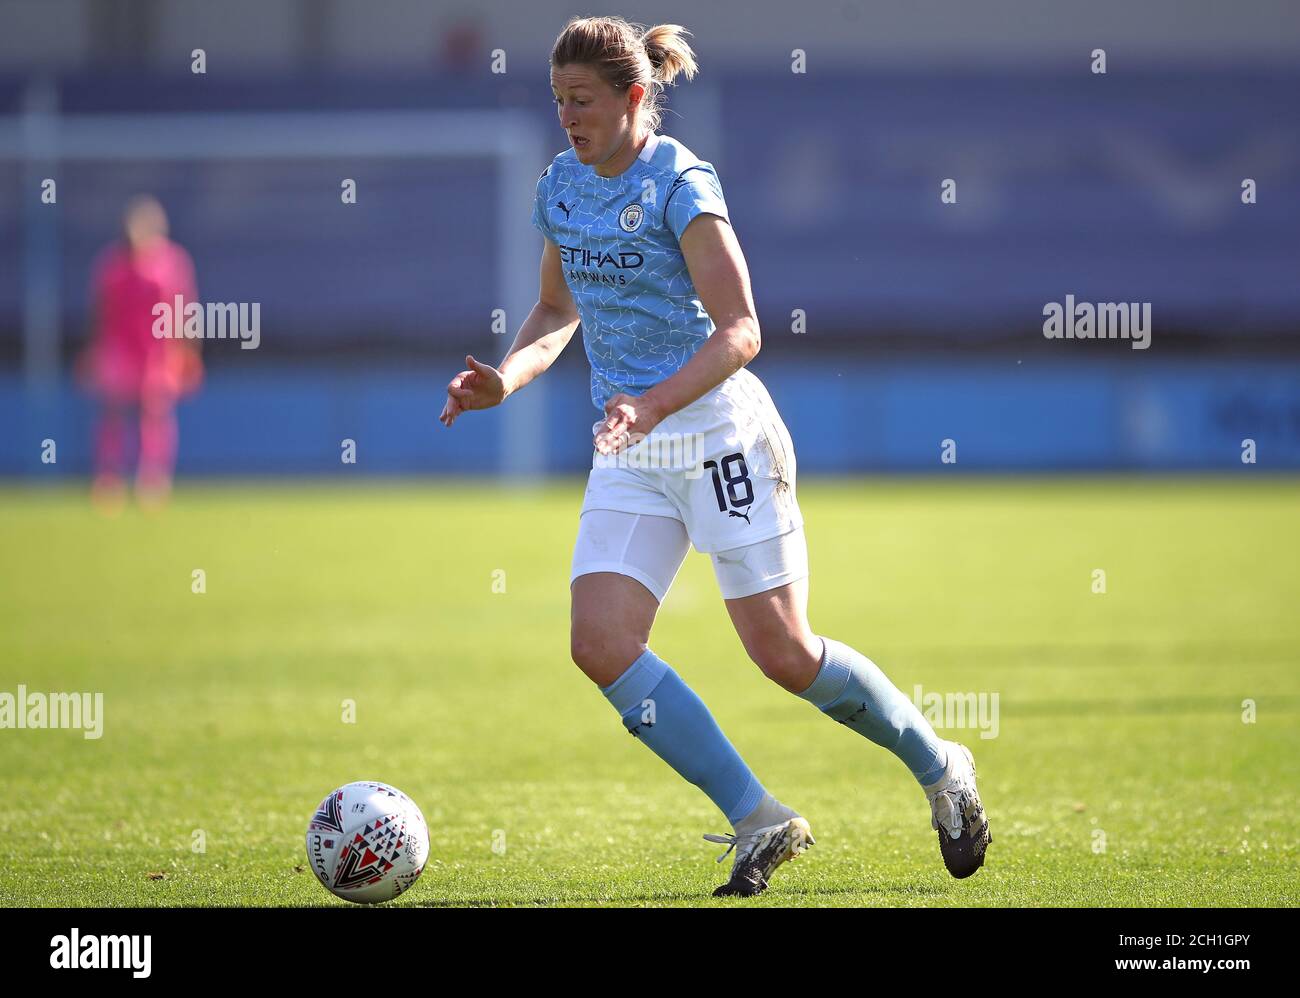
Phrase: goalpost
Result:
[40,138]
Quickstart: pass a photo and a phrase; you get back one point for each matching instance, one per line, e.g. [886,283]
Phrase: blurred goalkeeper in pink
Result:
[137,375]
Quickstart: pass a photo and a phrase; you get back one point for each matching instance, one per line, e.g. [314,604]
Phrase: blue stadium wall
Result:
[845,415]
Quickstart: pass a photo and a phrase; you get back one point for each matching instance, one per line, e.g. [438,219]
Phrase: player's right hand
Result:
[480,387]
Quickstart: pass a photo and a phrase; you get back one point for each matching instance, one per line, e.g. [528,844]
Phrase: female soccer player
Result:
[639,249]
[138,376]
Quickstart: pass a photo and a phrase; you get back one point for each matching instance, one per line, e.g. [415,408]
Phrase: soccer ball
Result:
[367,842]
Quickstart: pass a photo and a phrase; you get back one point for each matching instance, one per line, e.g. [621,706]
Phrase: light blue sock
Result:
[851,689]
[662,711]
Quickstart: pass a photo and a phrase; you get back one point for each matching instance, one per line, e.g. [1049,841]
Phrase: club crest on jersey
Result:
[630,218]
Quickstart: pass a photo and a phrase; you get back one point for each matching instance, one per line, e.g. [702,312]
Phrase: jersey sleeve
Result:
[695,191]
[539,206]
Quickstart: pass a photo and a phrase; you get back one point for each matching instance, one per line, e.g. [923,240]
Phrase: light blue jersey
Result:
[618,240]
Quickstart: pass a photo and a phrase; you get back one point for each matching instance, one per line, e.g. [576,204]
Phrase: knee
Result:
[603,656]
[789,663]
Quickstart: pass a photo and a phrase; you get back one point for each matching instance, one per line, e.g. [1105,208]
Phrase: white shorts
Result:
[651,549]
[722,469]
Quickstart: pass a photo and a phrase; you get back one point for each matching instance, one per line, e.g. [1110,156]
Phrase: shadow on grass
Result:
[780,896]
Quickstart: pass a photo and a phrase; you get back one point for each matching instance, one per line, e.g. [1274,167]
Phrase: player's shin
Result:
[664,713]
[851,689]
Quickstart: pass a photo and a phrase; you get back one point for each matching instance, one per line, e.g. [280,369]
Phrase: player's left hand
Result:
[628,418]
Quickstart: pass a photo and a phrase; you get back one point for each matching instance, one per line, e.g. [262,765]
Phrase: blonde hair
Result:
[624,53]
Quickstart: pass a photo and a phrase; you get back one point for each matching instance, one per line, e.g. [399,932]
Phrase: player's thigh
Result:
[765,586]
[771,618]
[610,624]
[623,565]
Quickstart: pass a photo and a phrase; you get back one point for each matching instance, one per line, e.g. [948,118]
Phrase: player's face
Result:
[144,223]
[596,117]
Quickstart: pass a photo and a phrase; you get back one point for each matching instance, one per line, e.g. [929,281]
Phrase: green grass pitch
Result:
[1123,772]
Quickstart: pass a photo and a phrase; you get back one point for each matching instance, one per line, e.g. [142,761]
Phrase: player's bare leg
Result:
[773,627]
[610,620]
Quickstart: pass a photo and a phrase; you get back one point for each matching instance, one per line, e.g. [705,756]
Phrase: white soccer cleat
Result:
[759,853]
[958,815]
